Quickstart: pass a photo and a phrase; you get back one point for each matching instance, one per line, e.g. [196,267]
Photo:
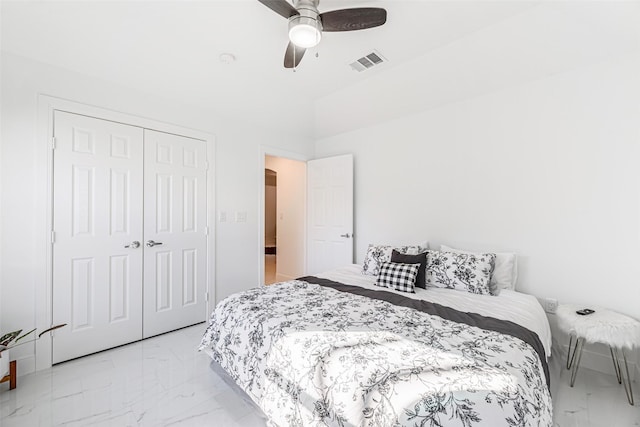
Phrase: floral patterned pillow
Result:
[377,254]
[460,271]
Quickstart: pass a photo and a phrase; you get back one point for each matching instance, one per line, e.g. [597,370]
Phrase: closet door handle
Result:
[345,235]
[151,243]
[134,245]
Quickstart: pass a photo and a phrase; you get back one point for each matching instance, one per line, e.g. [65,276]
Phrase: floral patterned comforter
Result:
[311,355]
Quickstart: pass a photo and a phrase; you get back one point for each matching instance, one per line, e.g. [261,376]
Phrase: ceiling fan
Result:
[306,24]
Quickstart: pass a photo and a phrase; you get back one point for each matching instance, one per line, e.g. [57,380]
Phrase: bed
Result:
[335,349]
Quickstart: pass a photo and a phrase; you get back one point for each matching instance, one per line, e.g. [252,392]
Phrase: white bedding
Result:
[310,354]
[523,309]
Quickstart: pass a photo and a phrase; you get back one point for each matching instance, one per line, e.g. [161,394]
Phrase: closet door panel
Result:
[97,211]
[175,233]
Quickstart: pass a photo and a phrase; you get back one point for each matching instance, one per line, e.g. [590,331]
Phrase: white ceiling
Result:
[171,49]
[546,40]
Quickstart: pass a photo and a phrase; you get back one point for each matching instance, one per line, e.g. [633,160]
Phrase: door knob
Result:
[346,236]
[151,243]
[135,245]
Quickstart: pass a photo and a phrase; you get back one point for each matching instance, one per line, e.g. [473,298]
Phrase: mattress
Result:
[334,349]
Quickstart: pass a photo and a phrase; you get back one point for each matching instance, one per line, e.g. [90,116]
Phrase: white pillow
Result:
[505,273]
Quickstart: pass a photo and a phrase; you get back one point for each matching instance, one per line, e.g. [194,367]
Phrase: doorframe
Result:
[266,150]
[47,104]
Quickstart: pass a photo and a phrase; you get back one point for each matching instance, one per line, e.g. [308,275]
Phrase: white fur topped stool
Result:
[618,331]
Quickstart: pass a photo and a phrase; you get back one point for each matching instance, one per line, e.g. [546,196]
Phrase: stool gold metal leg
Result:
[570,361]
[575,364]
[626,382]
[616,364]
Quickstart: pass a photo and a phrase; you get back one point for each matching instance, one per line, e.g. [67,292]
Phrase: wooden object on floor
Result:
[12,377]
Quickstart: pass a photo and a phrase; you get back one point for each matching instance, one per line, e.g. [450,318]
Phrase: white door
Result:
[97,213]
[174,232]
[330,213]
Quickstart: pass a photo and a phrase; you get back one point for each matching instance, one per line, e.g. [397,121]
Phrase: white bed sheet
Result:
[523,309]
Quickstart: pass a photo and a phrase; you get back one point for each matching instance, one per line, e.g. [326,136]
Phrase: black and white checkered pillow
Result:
[398,276]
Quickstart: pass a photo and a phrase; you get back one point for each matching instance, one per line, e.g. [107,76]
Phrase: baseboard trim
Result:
[26,365]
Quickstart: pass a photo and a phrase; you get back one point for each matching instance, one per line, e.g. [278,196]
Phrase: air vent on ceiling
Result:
[367,61]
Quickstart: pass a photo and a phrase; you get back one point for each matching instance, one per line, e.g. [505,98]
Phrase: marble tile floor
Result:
[164,381]
[596,400]
[269,269]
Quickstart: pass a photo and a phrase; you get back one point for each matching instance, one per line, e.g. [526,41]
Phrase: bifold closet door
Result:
[175,232]
[97,218]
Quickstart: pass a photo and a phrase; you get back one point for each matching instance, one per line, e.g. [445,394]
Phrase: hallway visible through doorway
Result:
[284,219]
[270,224]
[269,269]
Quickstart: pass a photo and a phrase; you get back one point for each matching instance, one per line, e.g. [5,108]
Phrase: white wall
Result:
[547,169]
[1,185]
[291,214]
[238,180]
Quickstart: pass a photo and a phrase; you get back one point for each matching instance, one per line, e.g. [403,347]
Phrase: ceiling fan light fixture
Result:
[305,31]
[306,24]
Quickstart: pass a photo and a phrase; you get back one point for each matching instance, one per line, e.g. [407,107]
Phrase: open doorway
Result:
[270,225]
[284,219]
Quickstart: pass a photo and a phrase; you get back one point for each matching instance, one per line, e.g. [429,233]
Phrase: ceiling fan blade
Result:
[353,19]
[281,7]
[293,55]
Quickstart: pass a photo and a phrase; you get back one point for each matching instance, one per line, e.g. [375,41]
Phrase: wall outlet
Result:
[550,305]
[222,216]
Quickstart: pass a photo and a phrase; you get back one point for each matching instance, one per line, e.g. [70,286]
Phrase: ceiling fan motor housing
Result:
[305,29]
